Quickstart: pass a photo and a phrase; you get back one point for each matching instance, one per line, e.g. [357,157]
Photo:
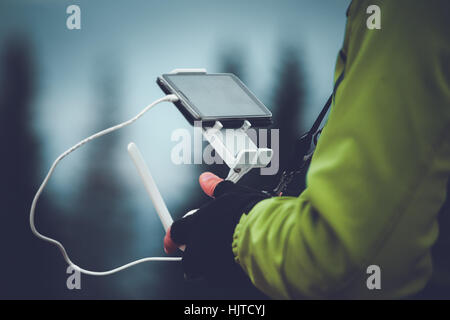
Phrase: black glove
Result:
[208,234]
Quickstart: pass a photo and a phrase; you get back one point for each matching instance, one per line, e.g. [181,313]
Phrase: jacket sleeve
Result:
[378,176]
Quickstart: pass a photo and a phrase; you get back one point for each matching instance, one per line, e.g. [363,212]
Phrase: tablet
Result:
[215,97]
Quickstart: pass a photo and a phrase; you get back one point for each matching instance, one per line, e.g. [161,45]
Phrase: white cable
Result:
[170,98]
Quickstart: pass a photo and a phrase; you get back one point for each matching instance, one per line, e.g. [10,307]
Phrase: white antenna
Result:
[150,186]
[152,189]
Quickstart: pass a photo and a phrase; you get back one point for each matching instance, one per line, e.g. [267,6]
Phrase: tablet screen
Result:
[217,95]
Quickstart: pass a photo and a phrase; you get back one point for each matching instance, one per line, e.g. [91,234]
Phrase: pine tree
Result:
[28,261]
[287,107]
[288,103]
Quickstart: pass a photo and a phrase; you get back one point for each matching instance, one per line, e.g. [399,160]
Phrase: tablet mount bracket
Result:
[237,149]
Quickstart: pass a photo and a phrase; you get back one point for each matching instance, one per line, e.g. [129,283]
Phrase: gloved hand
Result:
[208,233]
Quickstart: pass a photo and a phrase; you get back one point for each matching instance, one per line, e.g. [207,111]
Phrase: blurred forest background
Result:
[96,204]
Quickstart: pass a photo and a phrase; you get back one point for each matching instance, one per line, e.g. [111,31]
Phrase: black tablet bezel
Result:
[192,114]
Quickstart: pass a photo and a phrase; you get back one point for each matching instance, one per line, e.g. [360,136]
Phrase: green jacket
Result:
[378,177]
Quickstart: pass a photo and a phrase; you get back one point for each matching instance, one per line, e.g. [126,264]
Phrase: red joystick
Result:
[169,246]
[208,182]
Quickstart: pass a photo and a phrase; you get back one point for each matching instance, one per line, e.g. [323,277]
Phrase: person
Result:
[375,184]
